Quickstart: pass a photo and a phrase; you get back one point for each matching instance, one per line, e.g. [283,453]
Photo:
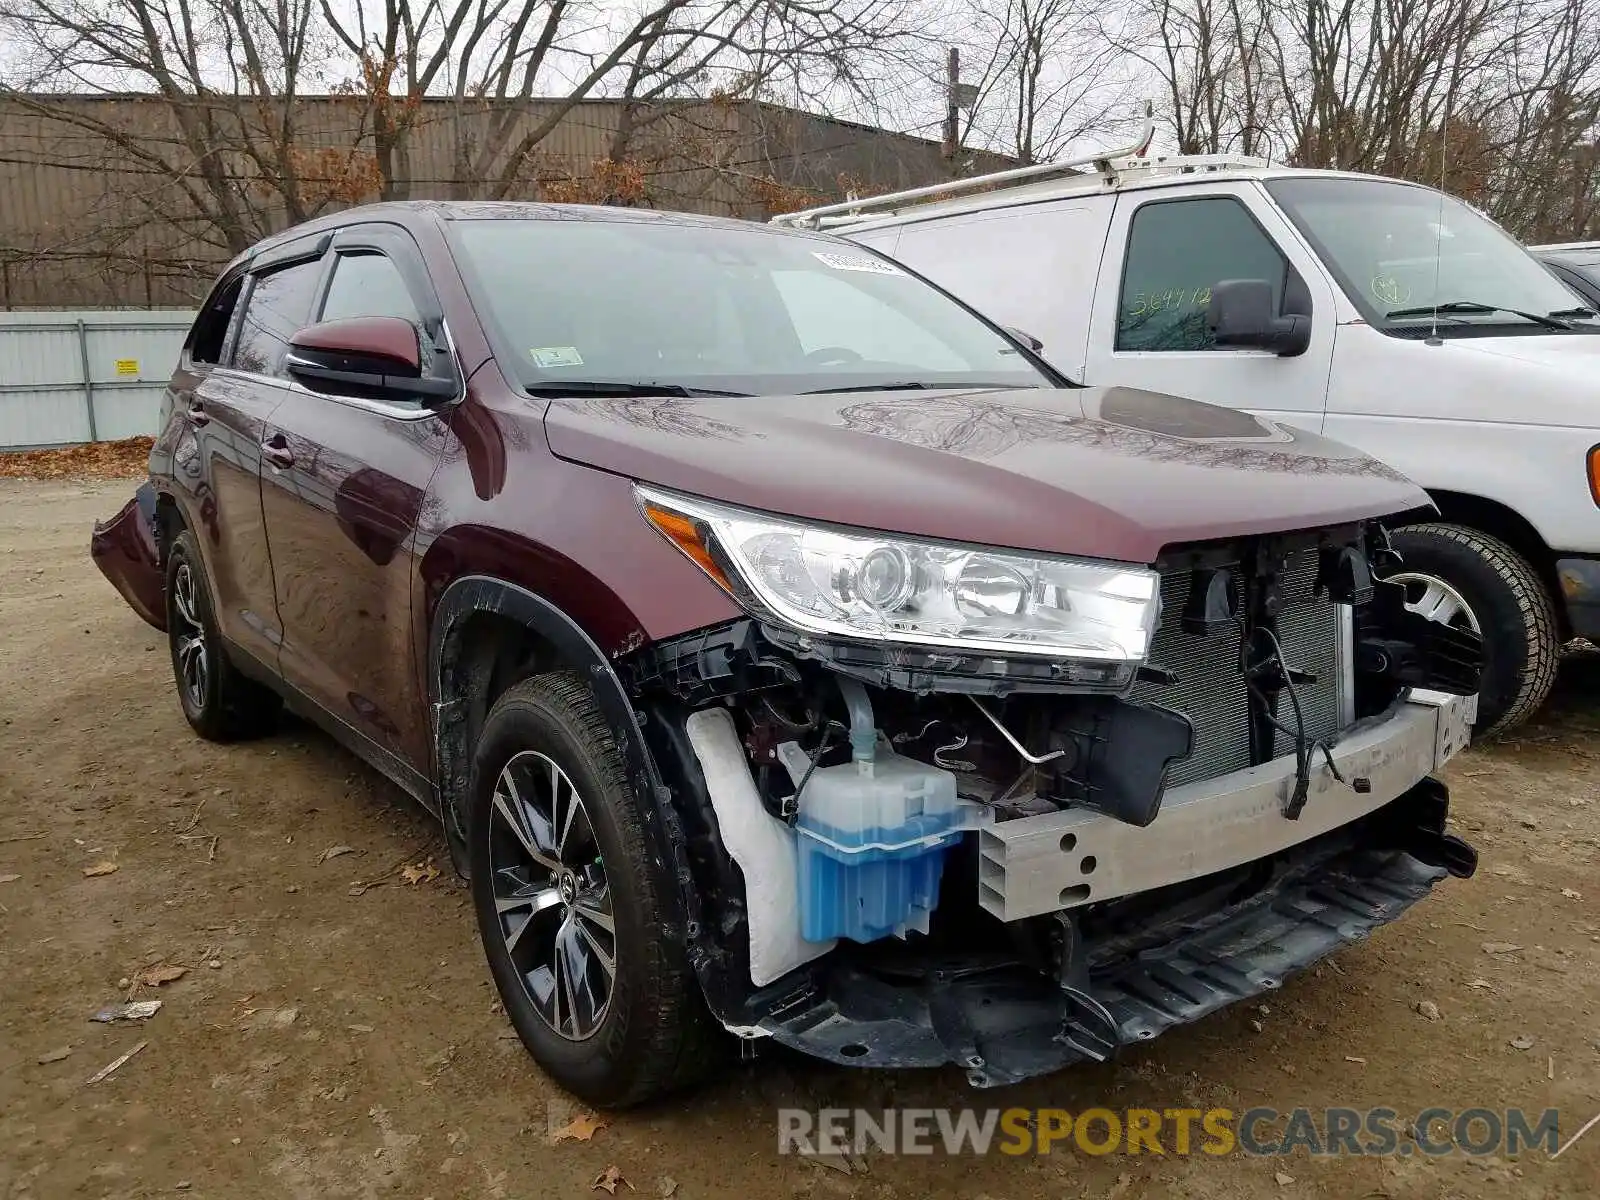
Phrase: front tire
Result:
[575,912]
[1461,576]
[220,704]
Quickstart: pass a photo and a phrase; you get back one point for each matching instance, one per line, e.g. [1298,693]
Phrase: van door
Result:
[1165,252]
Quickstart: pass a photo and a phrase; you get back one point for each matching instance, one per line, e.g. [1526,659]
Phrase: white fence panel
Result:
[69,377]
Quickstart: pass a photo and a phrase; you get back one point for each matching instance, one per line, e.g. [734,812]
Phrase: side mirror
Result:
[372,358]
[1241,314]
[1026,338]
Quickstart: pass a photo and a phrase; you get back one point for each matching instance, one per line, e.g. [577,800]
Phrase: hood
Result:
[1576,353]
[1102,472]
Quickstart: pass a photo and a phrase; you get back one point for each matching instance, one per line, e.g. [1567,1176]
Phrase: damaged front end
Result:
[914,854]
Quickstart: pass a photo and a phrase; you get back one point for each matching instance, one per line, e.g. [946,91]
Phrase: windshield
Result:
[1398,251]
[629,300]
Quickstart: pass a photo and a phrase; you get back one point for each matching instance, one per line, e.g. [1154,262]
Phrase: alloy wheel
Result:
[1432,597]
[189,638]
[551,895]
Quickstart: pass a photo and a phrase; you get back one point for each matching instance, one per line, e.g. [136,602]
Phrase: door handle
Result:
[276,451]
[197,414]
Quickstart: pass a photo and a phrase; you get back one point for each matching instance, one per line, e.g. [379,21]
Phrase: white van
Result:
[1381,313]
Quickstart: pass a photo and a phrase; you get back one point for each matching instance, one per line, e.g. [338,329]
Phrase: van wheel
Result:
[575,913]
[1462,577]
[219,703]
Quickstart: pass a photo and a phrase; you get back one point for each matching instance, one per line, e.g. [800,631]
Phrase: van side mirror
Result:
[1026,338]
[1241,314]
[373,358]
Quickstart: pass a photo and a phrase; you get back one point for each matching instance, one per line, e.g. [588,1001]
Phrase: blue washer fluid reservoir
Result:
[873,835]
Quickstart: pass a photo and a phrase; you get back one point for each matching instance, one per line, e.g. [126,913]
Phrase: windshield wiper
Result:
[607,387]
[915,385]
[1473,306]
[1577,314]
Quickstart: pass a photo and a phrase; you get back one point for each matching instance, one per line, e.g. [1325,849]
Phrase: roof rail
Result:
[849,211]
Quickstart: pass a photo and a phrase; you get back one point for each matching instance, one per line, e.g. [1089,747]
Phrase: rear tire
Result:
[1509,604]
[613,1015]
[220,704]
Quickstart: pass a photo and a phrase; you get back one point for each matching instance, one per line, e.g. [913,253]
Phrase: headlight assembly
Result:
[877,587]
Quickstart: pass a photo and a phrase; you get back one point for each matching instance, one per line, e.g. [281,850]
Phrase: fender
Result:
[576,650]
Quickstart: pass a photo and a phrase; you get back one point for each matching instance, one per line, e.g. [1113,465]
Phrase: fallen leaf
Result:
[335,852]
[1355,1059]
[581,1128]
[92,460]
[99,868]
[420,872]
[1500,947]
[1569,893]
[9,878]
[50,1056]
[1481,983]
[608,1179]
[1523,1041]
[1283,1179]
[1428,1009]
[666,1187]
[156,976]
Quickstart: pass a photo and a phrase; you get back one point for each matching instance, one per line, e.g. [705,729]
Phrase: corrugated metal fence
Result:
[70,377]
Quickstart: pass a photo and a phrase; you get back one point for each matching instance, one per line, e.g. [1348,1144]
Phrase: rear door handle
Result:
[276,451]
[197,414]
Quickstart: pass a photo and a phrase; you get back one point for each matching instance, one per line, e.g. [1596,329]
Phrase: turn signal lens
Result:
[685,533]
[1594,473]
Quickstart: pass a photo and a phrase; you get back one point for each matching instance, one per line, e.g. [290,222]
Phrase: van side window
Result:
[1177,249]
[278,307]
[210,331]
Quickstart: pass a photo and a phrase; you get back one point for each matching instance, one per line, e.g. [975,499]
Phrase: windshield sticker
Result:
[853,262]
[1389,291]
[556,356]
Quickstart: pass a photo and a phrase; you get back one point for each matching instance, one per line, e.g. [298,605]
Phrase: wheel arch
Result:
[487,634]
[1509,526]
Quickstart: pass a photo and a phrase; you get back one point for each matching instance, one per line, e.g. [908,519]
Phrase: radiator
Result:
[1210,689]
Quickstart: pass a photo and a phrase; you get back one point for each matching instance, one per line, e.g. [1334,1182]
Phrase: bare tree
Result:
[1045,76]
[1498,103]
[226,160]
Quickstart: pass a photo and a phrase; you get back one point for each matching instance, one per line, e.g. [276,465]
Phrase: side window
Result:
[829,313]
[210,332]
[1176,250]
[279,304]
[368,285]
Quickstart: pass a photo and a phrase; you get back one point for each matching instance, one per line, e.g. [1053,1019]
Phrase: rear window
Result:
[210,333]
[278,307]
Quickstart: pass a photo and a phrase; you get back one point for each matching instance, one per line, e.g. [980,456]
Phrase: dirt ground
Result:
[328,1044]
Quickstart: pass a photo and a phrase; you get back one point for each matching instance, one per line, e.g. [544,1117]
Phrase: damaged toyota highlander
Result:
[788,651]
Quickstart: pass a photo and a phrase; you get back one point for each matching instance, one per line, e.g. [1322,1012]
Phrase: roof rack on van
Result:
[1109,167]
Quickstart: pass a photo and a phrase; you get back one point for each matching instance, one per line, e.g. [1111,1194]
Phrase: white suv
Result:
[1380,313]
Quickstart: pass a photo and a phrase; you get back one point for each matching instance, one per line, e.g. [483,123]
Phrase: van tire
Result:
[656,1034]
[1521,639]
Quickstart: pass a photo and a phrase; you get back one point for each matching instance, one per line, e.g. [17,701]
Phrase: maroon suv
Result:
[787,650]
